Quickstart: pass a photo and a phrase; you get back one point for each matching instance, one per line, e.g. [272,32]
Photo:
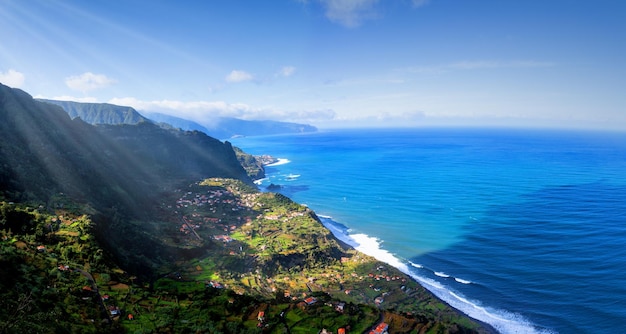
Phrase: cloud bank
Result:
[205,112]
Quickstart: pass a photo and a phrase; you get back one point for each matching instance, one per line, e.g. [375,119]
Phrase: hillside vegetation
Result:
[239,252]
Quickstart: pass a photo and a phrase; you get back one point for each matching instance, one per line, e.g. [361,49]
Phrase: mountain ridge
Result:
[99,113]
[219,127]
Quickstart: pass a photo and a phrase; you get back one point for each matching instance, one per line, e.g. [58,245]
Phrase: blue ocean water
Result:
[522,229]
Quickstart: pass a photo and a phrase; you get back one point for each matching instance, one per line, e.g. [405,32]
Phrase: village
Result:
[259,260]
[247,230]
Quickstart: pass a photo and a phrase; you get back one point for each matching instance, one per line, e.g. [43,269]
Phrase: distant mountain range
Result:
[221,128]
[228,127]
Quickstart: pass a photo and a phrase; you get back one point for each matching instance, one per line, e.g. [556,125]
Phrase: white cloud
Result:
[349,13]
[420,3]
[88,82]
[12,78]
[287,71]
[239,76]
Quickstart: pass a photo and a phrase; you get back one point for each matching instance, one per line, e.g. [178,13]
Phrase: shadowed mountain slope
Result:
[100,113]
[44,152]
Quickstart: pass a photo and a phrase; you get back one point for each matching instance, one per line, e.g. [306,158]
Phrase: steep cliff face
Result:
[43,152]
[99,113]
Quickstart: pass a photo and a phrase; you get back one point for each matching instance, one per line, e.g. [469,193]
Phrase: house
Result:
[114,310]
[340,307]
[224,238]
[341,331]
[215,285]
[310,300]
[381,328]
[261,316]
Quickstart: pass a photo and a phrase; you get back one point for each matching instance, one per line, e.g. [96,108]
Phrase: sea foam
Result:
[503,321]
[441,274]
[462,281]
[260,181]
[281,161]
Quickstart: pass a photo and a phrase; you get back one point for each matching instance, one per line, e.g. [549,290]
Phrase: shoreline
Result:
[345,238]
[493,321]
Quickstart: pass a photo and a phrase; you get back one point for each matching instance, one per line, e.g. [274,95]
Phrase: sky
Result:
[329,63]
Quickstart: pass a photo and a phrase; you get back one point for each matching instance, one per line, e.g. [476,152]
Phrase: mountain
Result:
[227,127]
[45,151]
[100,113]
[116,173]
[177,122]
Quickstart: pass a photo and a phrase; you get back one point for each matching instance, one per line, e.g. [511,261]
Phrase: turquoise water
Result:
[520,229]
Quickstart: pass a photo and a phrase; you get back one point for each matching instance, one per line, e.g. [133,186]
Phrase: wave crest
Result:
[502,320]
[281,161]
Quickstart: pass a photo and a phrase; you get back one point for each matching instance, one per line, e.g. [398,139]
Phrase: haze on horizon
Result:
[329,63]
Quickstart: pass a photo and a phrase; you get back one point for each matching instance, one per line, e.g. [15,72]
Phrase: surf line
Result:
[281,161]
[503,321]
[440,273]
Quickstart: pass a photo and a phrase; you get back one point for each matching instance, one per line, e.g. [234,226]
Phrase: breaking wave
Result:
[503,321]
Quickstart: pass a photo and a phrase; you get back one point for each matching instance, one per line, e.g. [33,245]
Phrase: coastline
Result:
[359,242]
[340,232]
[454,202]
[493,320]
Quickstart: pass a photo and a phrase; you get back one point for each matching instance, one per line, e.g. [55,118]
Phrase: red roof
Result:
[381,328]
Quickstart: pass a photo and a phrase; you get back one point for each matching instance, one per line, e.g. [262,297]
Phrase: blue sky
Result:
[330,63]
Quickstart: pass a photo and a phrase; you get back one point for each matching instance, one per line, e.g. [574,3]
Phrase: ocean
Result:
[522,229]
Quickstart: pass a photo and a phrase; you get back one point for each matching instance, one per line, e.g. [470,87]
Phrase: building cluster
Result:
[218,203]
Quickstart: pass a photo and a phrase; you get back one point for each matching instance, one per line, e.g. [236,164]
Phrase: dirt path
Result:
[94,287]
